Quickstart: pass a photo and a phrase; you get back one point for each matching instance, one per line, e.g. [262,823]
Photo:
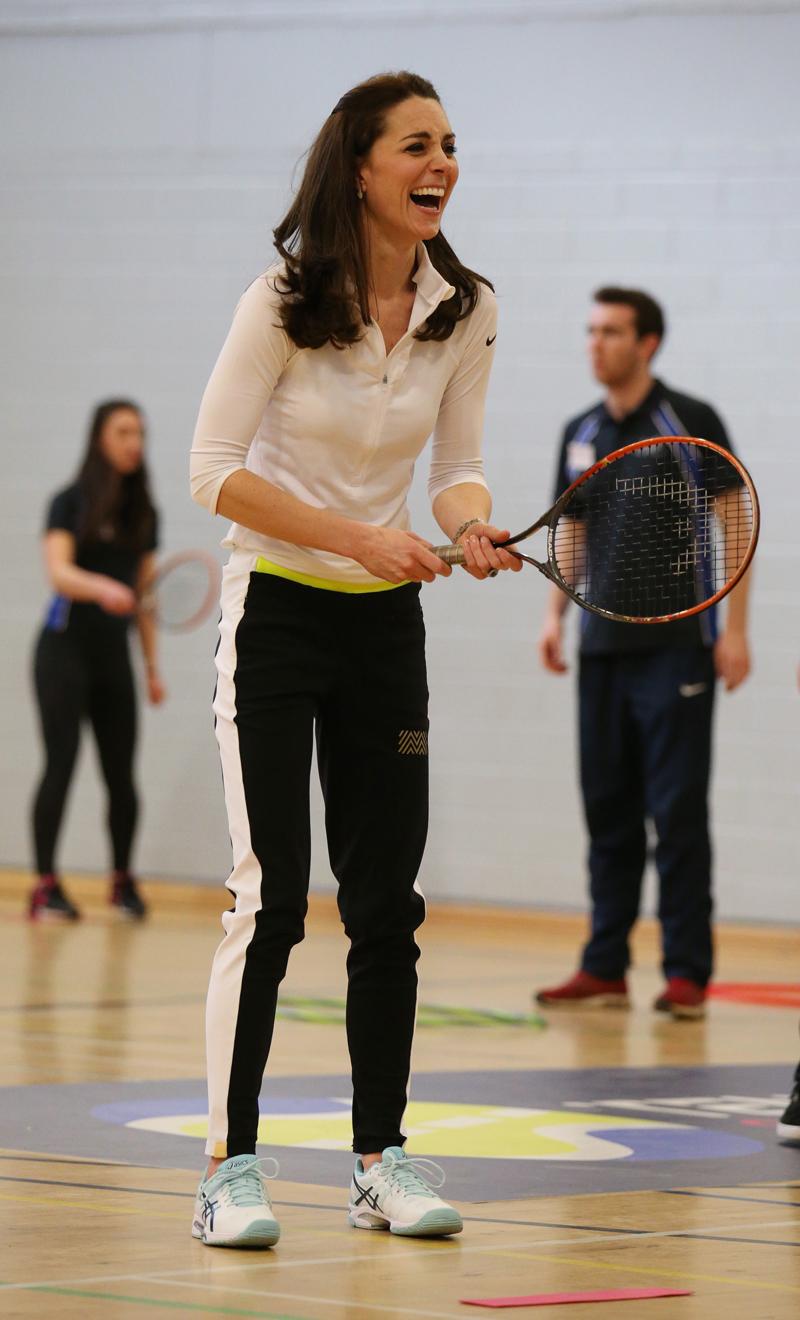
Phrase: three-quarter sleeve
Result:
[456,455]
[247,370]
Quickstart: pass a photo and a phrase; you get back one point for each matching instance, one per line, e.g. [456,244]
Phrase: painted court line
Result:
[471,1219]
[272,1262]
[432,1250]
[165,1304]
[726,1196]
[347,1303]
[311,1205]
[756,1242]
[652,1271]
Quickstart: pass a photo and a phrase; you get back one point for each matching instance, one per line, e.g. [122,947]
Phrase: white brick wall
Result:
[148,151]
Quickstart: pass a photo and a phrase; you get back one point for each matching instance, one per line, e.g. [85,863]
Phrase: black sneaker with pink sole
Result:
[125,897]
[48,902]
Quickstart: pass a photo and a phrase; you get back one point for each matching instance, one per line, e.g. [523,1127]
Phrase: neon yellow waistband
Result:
[322,584]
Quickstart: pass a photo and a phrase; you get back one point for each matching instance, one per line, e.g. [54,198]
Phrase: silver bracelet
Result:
[463,528]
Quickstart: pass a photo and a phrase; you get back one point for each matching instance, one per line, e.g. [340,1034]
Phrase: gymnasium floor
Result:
[603,1150]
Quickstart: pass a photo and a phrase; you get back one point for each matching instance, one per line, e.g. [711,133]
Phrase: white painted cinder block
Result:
[151,154]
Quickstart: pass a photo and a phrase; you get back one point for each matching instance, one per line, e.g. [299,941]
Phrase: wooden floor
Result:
[108,1002]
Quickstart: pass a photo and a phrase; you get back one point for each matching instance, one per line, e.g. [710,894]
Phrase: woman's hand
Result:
[156,691]
[482,558]
[114,597]
[398,556]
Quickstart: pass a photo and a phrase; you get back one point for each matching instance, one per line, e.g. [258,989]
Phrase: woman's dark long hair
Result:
[321,237]
[113,505]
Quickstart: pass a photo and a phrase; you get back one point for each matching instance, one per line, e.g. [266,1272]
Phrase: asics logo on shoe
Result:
[365,1195]
[207,1211]
[692,689]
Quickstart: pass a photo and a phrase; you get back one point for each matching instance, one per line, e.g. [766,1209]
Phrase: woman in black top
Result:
[99,546]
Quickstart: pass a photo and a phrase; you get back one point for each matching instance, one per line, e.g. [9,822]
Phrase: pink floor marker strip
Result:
[557,1299]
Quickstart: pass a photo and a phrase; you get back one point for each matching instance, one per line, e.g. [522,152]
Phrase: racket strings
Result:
[183,593]
[656,532]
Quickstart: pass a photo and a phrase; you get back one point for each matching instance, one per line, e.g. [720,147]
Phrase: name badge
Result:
[581,454]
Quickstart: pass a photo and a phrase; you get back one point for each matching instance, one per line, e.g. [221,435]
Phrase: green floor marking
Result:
[326,1012]
[158,1301]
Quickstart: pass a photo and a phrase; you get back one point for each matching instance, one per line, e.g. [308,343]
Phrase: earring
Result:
[359,190]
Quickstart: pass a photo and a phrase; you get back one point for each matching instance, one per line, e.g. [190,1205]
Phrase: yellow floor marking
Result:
[102,1207]
[653,1271]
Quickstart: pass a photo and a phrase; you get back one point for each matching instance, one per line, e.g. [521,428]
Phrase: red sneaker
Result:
[586,990]
[682,998]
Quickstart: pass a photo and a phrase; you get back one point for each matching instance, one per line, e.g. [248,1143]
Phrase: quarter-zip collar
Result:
[432,288]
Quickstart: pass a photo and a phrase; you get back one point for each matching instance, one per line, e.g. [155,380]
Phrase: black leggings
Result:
[80,677]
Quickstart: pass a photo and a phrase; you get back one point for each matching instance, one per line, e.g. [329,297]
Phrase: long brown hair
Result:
[111,499]
[326,287]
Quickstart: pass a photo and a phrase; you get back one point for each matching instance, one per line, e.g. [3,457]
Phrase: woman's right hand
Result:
[398,556]
[114,597]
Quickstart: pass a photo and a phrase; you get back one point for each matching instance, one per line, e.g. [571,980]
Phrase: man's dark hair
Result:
[326,281]
[648,315]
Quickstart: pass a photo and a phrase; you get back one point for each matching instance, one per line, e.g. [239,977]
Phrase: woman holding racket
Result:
[367,337]
[99,549]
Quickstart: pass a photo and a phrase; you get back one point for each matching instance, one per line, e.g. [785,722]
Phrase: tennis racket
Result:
[183,591]
[656,531]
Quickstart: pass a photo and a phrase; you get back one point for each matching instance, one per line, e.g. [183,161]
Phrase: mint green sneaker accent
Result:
[398,1194]
[233,1208]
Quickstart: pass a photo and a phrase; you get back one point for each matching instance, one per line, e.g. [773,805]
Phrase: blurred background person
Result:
[645,696]
[99,550]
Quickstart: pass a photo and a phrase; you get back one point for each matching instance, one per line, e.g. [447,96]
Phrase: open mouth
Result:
[428,199]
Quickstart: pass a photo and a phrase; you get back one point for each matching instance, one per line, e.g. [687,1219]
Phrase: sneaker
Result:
[788,1127]
[125,897]
[233,1208]
[394,1194]
[49,902]
[586,991]
[682,998]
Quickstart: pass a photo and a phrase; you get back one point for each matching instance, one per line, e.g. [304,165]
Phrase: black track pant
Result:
[293,662]
[80,678]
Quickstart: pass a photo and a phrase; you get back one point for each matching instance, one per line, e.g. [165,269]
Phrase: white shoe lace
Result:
[415,1176]
[246,1187]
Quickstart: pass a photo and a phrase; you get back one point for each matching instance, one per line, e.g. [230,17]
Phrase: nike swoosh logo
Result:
[489,342]
[692,689]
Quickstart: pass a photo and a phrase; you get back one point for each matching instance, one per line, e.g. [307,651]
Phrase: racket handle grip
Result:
[451,554]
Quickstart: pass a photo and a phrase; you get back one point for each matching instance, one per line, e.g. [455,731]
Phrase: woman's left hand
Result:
[156,692]
[481,557]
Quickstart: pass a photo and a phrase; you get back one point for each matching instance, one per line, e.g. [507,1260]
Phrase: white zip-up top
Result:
[342,429]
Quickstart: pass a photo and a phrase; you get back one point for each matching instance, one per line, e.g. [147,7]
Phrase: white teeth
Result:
[428,192]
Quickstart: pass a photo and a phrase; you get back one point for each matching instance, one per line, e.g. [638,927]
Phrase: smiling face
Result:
[122,440]
[410,171]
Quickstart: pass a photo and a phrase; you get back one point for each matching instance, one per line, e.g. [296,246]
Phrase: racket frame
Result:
[549,569]
[148,596]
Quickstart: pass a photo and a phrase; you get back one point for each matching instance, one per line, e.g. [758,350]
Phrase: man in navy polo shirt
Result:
[646,696]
